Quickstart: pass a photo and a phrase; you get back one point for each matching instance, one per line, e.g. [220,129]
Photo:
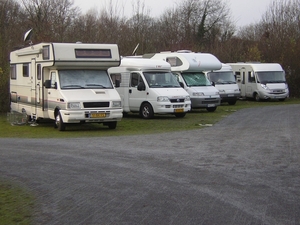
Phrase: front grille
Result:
[95,104]
[174,100]
[210,101]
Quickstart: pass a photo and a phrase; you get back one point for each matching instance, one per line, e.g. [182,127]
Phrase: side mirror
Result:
[213,83]
[47,84]
[141,86]
[117,83]
[181,84]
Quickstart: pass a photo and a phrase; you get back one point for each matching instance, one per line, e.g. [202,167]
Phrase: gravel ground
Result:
[243,170]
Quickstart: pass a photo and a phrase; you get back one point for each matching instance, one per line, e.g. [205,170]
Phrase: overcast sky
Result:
[244,12]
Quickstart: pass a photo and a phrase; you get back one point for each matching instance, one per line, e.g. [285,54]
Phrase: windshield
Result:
[271,77]
[161,79]
[89,79]
[222,77]
[195,79]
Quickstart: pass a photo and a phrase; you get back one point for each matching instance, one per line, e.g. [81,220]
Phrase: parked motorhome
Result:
[189,69]
[65,82]
[261,81]
[148,87]
[225,82]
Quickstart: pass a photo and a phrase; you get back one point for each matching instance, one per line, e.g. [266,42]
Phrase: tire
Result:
[180,115]
[59,124]
[146,111]
[256,97]
[112,125]
[282,99]
[232,102]
[211,109]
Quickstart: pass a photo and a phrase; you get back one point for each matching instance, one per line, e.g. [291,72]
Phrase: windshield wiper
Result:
[72,86]
[95,85]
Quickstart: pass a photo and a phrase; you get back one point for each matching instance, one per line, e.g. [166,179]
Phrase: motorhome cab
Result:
[225,82]
[66,82]
[148,87]
[188,67]
[261,80]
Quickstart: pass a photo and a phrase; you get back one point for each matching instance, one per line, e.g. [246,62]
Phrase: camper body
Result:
[261,81]
[224,80]
[149,87]
[65,82]
[189,68]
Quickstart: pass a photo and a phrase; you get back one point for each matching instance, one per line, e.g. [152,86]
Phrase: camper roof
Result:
[261,66]
[189,61]
[144,64]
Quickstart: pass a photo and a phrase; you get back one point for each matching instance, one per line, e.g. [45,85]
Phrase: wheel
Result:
[282,99]
[146,111]
[180,115]
[211,109]
[256,97]
[231,102]
[112,125]
[59,124]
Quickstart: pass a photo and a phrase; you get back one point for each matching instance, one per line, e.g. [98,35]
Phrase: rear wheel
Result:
[146,111]
[59,124]
[211,109]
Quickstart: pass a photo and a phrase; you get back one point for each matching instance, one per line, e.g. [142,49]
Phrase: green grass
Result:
[16,205]
[131,124]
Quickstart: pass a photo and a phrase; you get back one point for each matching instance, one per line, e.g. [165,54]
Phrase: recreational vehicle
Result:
[65,82]
[189,69]
[148,87]
[225,82]
[261,81]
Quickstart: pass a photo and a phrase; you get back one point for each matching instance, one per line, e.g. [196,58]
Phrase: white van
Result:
[225,82]
[261,81]
[189,68]
[66,82]
[148,87]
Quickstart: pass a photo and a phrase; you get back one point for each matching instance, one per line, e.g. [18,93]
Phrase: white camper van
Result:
[225,82]
[148,87]
[261,80]
[66,82]
[188,67]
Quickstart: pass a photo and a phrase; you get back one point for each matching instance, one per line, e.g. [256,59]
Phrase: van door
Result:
[243,83]
[33,92]
[135,96]
[53,96]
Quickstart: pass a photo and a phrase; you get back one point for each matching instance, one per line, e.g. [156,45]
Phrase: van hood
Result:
[207,90]
[90,95]
[170,92]
[276,85]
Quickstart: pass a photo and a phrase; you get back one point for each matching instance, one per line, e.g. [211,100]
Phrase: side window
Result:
[13,72]
[26,70]
[116,77]
[237,76]
[38,71]
[251,78]
[53,80]
[135,78]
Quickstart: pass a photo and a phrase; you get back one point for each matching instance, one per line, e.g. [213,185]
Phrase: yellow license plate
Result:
[98,115]
[179,110]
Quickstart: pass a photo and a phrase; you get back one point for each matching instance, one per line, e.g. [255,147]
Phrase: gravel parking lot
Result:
[243,170]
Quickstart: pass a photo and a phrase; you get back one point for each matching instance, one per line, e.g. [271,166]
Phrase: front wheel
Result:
[180,115]
[112,125]
[59,124]
[211,109]
[256,97]
[146,111]
[231,102]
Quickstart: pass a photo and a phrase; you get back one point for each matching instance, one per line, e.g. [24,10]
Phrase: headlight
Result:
[198,94]
[163,99]
[221,91]
[187,98]
[116,104]
[236,90]
[264,86]
[73,105]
